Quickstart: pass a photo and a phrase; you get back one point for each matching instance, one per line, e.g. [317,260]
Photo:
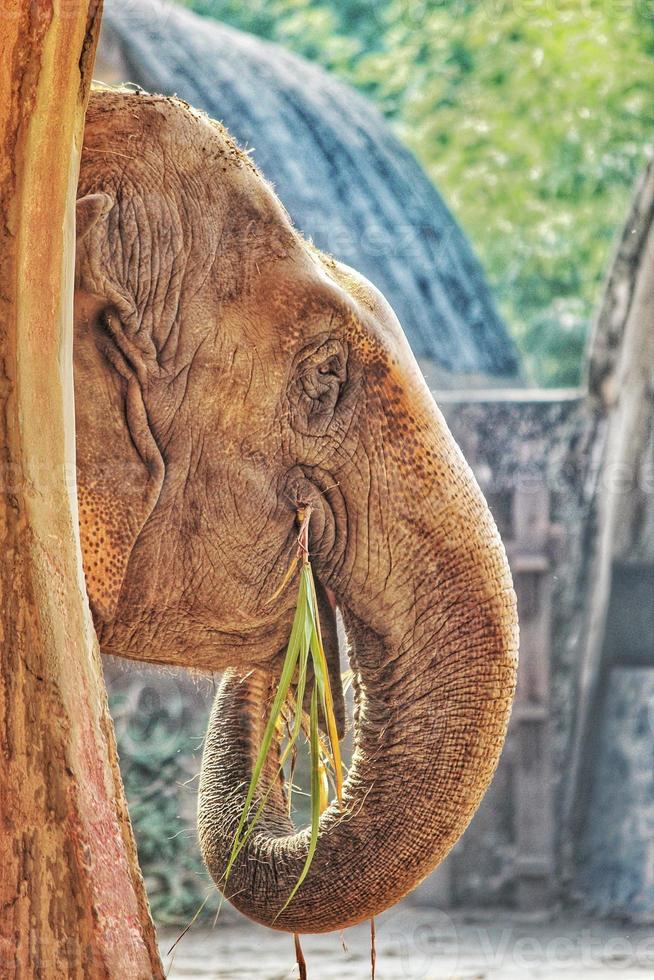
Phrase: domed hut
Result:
[347,182]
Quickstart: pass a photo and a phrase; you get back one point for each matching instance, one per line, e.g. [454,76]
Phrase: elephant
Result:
[228,375]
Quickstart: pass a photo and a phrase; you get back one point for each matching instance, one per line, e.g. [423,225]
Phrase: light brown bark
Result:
[71,896]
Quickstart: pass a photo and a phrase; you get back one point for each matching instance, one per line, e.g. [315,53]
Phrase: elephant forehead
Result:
[192,221]
[151,125]
[157,146]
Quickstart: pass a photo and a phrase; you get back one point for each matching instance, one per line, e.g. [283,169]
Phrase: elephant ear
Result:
[89,210]
[119,467]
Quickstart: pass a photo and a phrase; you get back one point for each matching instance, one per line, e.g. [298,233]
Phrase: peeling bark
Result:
[71,895]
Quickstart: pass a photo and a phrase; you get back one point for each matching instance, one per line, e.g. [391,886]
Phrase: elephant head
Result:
[228,374]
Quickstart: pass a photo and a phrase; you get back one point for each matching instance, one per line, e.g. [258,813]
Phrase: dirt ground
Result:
[419,944]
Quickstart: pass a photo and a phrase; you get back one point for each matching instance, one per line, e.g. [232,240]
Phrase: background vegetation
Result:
[533,117]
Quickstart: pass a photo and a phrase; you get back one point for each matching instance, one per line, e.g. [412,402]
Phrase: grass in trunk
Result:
[305,649]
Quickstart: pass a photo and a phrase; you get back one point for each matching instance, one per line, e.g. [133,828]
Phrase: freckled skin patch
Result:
[105,545]
[227,373]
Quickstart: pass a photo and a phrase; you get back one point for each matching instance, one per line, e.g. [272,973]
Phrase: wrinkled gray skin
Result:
[226,375]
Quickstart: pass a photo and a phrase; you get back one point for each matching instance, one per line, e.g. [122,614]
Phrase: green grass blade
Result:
[315,797]
[322,675]
[297,721]
[290,661]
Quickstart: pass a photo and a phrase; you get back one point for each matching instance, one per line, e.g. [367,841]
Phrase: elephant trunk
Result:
[435,677]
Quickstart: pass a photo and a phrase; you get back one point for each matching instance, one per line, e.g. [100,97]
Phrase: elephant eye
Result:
[323,372]
[320,375]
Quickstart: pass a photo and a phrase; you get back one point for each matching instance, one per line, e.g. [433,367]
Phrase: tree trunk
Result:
[619,446]
[71,896]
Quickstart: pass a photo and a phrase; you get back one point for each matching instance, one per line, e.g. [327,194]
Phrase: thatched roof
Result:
[347,182]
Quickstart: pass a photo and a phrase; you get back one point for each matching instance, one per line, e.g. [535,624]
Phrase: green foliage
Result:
[532,116]
[159,723]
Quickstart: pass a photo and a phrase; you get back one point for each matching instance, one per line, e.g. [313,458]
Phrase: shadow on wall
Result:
[617,847]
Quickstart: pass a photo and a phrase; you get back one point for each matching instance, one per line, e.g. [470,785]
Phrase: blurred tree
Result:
[534,119]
